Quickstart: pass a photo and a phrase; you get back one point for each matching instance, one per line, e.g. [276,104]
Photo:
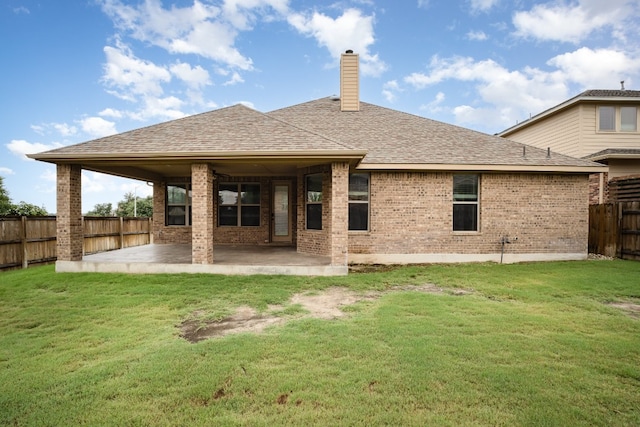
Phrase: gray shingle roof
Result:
[388,137]
[394,137]
[232,129]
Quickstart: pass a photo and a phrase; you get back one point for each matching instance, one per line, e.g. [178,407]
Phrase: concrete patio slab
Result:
[174,258]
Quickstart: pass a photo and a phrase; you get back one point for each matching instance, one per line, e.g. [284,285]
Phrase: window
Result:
[238,204]
[607,118]
[465,202]
[178,204]
[313,191]
[628,119]
[359,201]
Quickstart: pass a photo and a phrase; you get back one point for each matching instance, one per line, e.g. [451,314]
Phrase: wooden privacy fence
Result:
[26,241]
[614,230]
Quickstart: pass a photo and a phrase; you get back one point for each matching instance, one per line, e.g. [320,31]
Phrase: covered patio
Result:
[176,258]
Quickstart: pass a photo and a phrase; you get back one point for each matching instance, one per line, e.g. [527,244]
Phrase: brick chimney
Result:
[349,82]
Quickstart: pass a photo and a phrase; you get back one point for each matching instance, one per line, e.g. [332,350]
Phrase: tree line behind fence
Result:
[27,241]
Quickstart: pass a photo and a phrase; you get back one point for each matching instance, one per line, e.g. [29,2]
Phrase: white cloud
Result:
[482,5]
[242,13]
[195,77]
[93,182]
[390,89]
[131,76]
[235,79]
[21,148]
[477,35]
[98,127]
[434,106]
[507,95]
[597,69]
[575,21]
[64,129]
[110,112]
[21,9]
[6,171]
[351,30]
[424,4]
[199,29]
[167,108]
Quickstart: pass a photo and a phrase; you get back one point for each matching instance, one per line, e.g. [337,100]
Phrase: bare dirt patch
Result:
[321,305]
[632,309]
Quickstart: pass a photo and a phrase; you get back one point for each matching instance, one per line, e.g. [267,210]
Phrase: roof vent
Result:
[622,85]
[348,51]
[334,97]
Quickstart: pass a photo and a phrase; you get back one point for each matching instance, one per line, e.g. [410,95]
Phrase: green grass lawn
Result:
[531,344]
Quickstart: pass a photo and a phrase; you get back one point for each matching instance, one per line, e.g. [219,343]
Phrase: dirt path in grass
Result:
[326,304]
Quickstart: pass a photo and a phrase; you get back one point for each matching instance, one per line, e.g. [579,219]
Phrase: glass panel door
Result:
[281,224]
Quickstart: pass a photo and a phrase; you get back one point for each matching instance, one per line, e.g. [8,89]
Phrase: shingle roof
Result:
[603,93]
[232,129]
[613,153]
[387,137]
[394,137]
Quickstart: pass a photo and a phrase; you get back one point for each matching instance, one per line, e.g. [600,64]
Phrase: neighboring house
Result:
[597,125]
[355,182]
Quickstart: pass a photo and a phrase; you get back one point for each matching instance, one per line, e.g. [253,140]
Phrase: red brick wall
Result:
[412,213]
[594,188]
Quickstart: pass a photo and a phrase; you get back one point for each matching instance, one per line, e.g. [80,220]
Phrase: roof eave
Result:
[53,157]
[596,168]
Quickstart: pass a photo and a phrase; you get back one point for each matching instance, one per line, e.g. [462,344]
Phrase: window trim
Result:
[187,204]
[598,115]
[461,202]
[308,203]
[617,119]
[239,204]
[635,129]
[367,202]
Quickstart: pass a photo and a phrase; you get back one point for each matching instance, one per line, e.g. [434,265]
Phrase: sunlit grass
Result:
[532,344]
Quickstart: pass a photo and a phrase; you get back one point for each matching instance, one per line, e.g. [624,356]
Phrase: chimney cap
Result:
[348,51]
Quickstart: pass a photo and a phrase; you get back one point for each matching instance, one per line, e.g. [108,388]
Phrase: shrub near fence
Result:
[32,240]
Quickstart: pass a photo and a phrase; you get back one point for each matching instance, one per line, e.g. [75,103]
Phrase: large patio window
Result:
[178,204]
[238,204]
[465,202]
[359,201]
[313,191]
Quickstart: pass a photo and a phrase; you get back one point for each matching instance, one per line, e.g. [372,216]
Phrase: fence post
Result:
[23,237]
[121,233]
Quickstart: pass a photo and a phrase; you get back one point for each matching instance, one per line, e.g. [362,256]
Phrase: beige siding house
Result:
[597,125]
[341,179]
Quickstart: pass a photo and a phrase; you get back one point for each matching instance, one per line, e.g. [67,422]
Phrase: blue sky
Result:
[76,70]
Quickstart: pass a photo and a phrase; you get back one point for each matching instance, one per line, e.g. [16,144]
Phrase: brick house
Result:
[596,125]
[340,178]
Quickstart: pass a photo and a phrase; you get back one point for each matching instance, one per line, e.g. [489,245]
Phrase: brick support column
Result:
[339,214]
[70,234]
[202,214]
